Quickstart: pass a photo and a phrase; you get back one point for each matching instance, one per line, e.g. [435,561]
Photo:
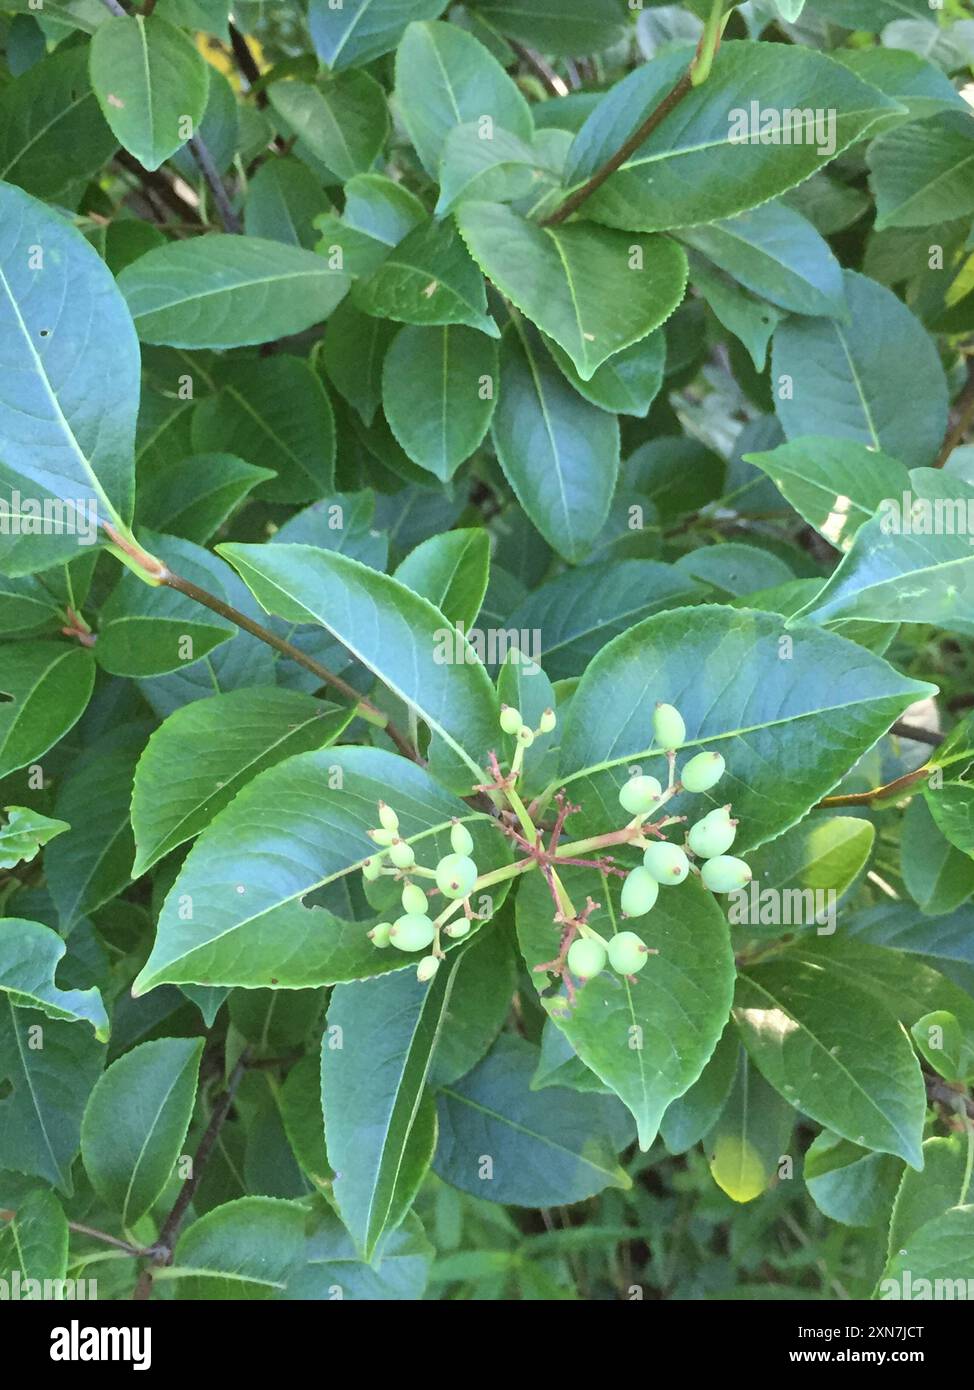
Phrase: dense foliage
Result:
[486,614]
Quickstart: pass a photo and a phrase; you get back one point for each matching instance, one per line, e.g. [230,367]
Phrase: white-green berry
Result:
[461,839]
[667,863]
[714,834]
[388,817]
[372,869]
[640,795]
[702,772]
[510,719]
[725,874]
[382,836]
[669,729]
[413,898]
[525,736]
[460,927]
[639,893]
[586,958]
[456,875]
[402,855]
[412,932]
[627,953]
[427,968]
[547,721]
[379,935]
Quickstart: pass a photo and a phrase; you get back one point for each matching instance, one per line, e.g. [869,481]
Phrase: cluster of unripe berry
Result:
[664,864]
[455,876]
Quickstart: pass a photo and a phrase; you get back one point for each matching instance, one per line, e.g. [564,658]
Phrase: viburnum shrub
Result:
[486,614]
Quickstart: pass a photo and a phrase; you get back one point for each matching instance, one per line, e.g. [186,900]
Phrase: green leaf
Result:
[135,1123]
[34,1241]
[24,833]
[268,935]
[690,1117]
[240,1250]
[199,758]
[438,390]
[483,986]
[747,318]
[223,291]
[560,454]
[151,82]
[833,1051]
[938,876]
[195,496]
[378,1046]
[649,1037]
[490,165]
[778,254]
[924,1196]
[562,27]
[330,1265]
[735,569]
[451,571]
[29,953]
[952,807]
[44,688]
[700,164]
[275,413]
[594,291]
[751,1133]
[841,379]
[924,172]
[357,31]
[940,1040]
[806,870]
[52,133]
[283,199]
[428,278]
[834,484]
[50,1067]
[850,1184]
[935,1261]
[342,122]
[67,420]
[628,382]
[501,1141]
[788,729]
[912,563]
[353,353]
[403,638]
[445,78]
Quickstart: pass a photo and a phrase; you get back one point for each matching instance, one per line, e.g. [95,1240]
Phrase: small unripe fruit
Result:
[402,855]
[371,869]
[510,719]
[639,795]
[427,968]
[703,772]
[547,721]
[413,898]
[669,729]
[714,834]
[461,839]
[725,874]
[667,863]
[586,958]
[456,875]
[412,932]
[627,953]
[525,736]
[388,817]
[639,893]
[383,836]
[379,935]
[458,928]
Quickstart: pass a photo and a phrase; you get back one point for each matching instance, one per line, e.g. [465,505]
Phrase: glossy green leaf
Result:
[34,1241]
[357,31]
[566,27]
[52,132]
[924,172]
[627,382]
[850,1184]
[750,1137]
[927,1195]
[342,122]
[241,1250]
[451,571]
[428,278]
[194,497]
[23,834]
[29,955]
[804,873]
[690,1117]
[283,199]
[935,1258]
[44,688]
[938,876]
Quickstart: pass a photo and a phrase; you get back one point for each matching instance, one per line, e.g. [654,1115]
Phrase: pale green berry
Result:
[427,968]
[547,721]
[725,874]
[586,958]
[714,834]
[627,953]
[525,736]
[413,898]
[667,863]
[461,839]
[669,729]
[402,855]
[639,795]
[388,817]
[383,836]
[372,869]
[456,875]
[379,935]
[510,719]
[639,893]
[412,932]
[458,928]
[703,772]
